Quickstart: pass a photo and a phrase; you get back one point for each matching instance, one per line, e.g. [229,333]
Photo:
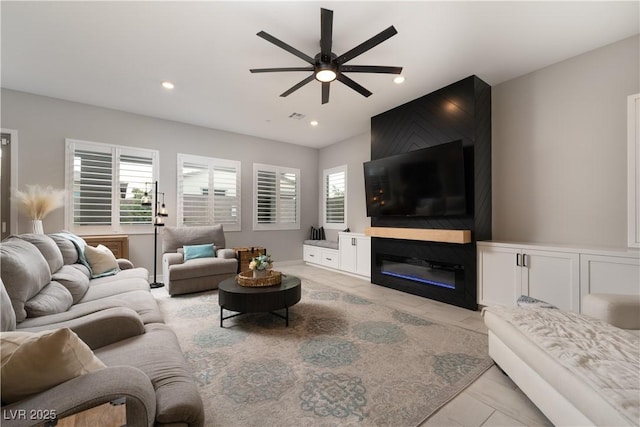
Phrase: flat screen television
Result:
[429,182]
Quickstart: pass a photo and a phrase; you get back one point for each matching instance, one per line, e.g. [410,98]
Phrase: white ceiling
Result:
[115,54]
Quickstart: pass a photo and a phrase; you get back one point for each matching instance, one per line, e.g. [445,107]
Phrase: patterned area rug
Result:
[343,360]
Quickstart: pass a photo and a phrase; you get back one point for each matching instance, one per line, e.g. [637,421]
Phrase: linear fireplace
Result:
[425,272]
[441,271]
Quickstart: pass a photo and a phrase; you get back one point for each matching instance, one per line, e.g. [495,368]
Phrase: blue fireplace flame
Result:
[419,279]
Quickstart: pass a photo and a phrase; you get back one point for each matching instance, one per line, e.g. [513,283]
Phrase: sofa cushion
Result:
[47,247]
[24,273]
[203,267]
[7,315]
[53,298]
[199,251]
[74,280]
[34,362]
[176,237]
[67,248]
[142,302]
[101,260]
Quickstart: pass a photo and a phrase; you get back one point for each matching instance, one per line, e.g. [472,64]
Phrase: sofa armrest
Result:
[622,311]
[124,264]
[85,392]
[169,259]
[226,253]
[102,327]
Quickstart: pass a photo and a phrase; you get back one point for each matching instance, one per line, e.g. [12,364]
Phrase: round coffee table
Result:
[246,299]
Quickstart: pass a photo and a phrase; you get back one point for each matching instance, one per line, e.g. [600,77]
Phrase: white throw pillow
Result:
[33,362]
[101,260]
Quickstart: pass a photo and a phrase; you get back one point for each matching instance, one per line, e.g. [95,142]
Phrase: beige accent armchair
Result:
[195,275]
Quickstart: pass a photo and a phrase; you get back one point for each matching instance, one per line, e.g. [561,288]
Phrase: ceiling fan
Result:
[326,65]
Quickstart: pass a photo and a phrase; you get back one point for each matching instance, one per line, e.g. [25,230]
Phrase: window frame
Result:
[325,175]
[278,225]
[211,163]
[71,145]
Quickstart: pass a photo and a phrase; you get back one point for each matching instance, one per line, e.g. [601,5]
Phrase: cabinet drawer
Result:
[311,254]
[330,258]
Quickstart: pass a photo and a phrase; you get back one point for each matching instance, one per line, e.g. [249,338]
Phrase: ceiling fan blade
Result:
[353,85]
[298,86]
[369,44]
[370,69]
[325,92]
[326,31]
[274,70]
[268,37]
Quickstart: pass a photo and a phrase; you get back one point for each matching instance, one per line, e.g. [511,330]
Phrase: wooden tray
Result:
[246,278]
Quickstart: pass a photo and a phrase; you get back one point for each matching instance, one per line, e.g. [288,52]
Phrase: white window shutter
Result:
[335,197]
[276,198]
[209,192]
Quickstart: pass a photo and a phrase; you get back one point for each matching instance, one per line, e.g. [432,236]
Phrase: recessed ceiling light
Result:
[398,80]
[167,85]
[313,123]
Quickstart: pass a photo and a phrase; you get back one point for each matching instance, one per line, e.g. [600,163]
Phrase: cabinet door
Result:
[553,277]
[347,249]
[609,275]
[363,256]
[499,276]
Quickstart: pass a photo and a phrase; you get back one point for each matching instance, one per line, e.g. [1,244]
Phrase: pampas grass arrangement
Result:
[38,202]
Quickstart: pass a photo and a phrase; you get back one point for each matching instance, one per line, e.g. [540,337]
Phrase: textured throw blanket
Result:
[606,357]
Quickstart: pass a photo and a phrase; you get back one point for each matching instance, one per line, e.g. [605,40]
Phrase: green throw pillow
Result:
[199,251]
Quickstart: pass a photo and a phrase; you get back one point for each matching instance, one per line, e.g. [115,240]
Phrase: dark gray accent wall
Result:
[460,111]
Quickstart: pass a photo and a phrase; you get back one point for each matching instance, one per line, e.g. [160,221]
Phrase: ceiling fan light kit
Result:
[327,66]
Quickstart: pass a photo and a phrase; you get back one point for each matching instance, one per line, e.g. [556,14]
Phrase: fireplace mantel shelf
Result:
[424,234]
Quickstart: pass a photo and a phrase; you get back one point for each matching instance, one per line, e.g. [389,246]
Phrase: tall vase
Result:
[36,226]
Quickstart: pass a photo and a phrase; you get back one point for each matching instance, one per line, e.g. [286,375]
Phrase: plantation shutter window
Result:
[276,198]
[335,198]
[208,192]
[136,175]
[105,184]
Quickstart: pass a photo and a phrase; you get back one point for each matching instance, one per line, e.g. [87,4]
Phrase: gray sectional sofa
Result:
[45,285]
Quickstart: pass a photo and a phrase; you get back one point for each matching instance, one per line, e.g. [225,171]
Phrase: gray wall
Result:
[44,123]
[559,149]
[351,152]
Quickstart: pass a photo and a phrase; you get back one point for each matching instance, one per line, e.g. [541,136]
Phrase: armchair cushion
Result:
[199,251]
[34,362]
[176,237]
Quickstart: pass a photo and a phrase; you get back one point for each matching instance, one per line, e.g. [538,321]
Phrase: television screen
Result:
[426,182]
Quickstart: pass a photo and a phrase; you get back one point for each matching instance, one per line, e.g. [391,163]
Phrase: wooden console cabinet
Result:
[117,243]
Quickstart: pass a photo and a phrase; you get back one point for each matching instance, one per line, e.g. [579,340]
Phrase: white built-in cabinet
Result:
[321,256]
[353,255]
[561,276]
[633,170]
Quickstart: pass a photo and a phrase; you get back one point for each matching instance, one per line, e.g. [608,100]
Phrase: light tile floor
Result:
[492,400]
